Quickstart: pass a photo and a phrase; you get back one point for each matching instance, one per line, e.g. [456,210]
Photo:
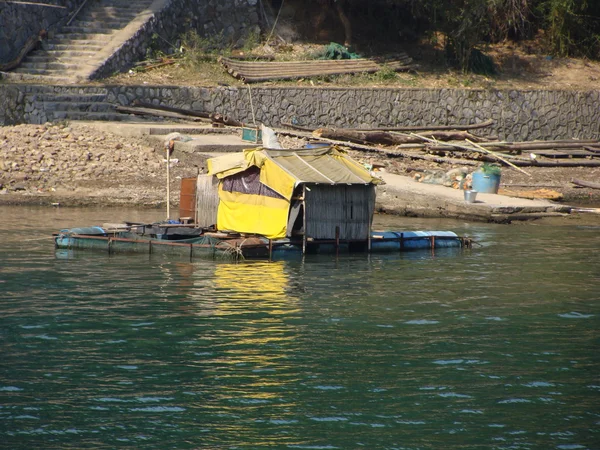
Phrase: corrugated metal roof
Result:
[319,166]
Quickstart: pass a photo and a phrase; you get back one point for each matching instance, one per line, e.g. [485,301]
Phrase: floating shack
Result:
[318,194]
[268,203]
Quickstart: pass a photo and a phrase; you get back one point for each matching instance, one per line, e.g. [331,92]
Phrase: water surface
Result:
[495,347]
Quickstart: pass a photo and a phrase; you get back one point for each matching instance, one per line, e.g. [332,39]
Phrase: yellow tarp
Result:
[254,214]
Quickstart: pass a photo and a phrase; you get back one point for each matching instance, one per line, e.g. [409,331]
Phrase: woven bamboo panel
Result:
[349,207]
[207,200]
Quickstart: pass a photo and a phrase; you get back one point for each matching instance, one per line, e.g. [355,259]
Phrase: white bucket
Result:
[470,196]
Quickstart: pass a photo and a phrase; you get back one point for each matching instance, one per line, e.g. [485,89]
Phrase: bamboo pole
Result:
[304,218]
[34,4]
[506,161]
[168,181]
[478,147]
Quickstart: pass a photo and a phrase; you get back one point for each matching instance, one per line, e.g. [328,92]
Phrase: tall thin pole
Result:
[304,218]
[168,181]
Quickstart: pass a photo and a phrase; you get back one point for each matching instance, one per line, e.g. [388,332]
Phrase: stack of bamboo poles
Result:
[456,145]
[257,71]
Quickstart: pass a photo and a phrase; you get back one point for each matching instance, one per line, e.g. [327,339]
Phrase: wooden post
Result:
[169,180]
[270,250]
[337,240]
[304,218]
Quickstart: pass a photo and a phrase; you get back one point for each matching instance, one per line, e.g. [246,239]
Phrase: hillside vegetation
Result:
[495,44]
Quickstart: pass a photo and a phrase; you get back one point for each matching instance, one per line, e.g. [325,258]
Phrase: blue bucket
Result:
[486,183]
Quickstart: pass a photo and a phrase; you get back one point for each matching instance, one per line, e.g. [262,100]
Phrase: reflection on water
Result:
[495,347]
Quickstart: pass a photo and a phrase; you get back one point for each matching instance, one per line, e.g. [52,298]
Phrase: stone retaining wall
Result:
[517,115]
[19,21]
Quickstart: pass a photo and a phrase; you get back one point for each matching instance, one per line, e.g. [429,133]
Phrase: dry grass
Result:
[522,66]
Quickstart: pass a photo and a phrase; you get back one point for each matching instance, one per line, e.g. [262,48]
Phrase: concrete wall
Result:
[18,22]
[517,115]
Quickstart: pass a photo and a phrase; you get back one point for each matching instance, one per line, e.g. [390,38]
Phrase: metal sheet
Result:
[187,198]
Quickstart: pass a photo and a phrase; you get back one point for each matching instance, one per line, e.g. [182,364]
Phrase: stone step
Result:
[90,37]
[28,77]
[42,59]
[75,106]
[111,23]
[46,73]
[106,16]
[63,55]
[77,29]
[76,47]
[84,115]
[48,66]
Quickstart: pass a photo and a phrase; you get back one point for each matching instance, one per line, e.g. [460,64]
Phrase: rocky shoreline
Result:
[79,165]
[74,164]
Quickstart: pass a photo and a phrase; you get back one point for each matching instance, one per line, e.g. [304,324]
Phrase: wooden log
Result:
[390,152]
[29,45]
[579,162]
[155,113]
[186,112]
[546,145]
[487,123]
[588,184]
[385,138]
[218,118]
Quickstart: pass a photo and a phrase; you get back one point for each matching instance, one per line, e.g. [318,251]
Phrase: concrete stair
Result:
[72,54]
[68,103]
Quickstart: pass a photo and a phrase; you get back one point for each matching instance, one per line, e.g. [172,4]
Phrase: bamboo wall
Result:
[348,206]
[207,200]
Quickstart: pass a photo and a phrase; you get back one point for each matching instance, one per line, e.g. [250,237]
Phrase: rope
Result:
[251,106]
[275,23]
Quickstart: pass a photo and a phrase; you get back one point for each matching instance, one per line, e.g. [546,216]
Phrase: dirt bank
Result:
[81,165]
[76,165]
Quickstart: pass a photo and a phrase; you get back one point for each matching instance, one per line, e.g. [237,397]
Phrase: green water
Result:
[495,347]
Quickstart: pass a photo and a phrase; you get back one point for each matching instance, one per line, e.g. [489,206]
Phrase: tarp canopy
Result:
[328,165]
[246,207]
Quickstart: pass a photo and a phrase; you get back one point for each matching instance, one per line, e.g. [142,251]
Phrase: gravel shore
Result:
[76,164]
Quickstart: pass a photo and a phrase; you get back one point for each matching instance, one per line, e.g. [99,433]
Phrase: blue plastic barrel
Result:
[411,240]
[88,231]
[486,183]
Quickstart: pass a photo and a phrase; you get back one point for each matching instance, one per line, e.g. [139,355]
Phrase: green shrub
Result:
[198,49]
[491,169]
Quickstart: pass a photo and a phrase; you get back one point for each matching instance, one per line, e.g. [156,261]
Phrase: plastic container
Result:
[485,183]
[317,145]
[412,240]
[470,196]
